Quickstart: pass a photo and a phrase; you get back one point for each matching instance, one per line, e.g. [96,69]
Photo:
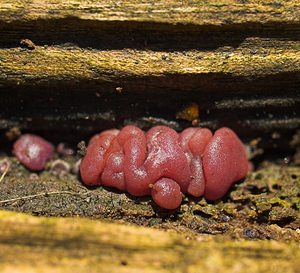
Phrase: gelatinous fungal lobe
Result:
[33,151]
[93,163]
[134,145]
[166,158]
[165,164]
[166,193]
[193,142]
[224,162]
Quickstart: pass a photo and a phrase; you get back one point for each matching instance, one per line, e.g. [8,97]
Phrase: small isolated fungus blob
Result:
[33,151]
[59,168]
[165,164]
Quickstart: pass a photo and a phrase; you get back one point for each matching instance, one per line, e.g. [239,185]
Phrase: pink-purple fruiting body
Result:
[33,151]
[163,163]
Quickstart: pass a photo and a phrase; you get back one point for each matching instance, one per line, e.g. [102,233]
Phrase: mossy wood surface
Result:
[31,244]
[99,64]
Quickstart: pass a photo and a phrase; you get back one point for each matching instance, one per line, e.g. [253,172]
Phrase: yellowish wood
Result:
[196,12]
[32,244]
[53,63]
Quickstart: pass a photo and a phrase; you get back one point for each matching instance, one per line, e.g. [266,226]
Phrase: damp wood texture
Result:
[99,64]
[78,245]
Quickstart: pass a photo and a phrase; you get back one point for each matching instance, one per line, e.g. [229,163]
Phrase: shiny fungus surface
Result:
[33,151]
[165,164]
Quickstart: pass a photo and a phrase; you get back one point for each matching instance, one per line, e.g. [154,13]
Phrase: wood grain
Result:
[170,11]
[238,60]
[37,244]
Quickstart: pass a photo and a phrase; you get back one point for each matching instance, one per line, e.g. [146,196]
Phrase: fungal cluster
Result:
[165,164]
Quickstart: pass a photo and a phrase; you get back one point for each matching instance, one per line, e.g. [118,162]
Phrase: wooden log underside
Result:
[239,60]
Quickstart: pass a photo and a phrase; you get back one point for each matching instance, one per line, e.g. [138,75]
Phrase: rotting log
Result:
[92,65]
[77,245]
[98,65]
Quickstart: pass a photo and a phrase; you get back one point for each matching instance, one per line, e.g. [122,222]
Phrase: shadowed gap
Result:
[109,35]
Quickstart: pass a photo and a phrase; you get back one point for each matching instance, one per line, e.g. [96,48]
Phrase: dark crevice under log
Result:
[253,108]
[109,35]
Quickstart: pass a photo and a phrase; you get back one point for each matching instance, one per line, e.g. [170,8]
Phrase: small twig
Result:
[40,194]
[4,173]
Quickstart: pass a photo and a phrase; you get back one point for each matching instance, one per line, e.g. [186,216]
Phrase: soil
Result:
[266,205]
